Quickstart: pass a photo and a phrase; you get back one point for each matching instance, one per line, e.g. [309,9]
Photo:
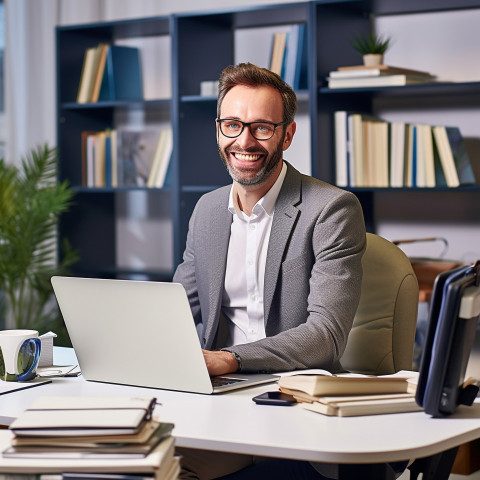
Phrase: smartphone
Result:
[274,398]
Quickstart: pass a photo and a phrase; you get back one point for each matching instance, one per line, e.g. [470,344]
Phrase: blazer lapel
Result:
[284,219]
[217,264]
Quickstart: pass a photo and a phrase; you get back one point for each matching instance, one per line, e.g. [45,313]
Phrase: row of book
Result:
[91,437]
[347,395]
[288,57]
[110,72]
[360,76]
[126,157]
[370,152]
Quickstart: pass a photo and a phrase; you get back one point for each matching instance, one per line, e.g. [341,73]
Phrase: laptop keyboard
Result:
[221,381]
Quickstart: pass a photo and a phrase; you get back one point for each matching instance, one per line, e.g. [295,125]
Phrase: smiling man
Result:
[272,265]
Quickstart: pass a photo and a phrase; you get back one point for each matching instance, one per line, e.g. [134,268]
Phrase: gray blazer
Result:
[312,277]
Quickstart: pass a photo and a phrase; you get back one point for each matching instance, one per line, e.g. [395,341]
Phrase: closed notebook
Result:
[61,416]
[158,461]
[315,384]
[348,407]
[41,447]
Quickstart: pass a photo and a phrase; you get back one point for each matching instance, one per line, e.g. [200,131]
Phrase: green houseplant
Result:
[31,200]
[372,47]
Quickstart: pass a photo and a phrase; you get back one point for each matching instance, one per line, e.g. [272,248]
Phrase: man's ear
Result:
[289,133]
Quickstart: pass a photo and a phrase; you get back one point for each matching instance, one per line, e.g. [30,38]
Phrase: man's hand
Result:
[220,362]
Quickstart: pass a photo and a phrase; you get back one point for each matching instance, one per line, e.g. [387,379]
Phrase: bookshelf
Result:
[202,44]
[96,224]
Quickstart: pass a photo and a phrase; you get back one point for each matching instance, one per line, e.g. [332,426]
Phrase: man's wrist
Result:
[237,358]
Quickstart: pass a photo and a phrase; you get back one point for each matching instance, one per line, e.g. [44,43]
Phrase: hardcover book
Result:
[122,77]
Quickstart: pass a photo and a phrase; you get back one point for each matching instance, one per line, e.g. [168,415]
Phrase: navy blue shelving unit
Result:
[203,43]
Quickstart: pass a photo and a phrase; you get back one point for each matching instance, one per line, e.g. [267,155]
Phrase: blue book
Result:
[301,69]
[108,160]
[122,78]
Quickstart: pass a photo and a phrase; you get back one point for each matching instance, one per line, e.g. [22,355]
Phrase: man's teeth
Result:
[246,157]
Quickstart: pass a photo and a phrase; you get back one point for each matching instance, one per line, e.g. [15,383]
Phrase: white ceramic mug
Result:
[19,354]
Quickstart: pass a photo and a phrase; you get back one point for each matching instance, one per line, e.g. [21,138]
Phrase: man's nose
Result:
[246,137]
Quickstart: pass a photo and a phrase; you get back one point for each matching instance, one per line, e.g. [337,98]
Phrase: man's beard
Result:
[262,175]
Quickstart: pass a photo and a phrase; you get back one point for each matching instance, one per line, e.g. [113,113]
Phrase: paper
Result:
[7,387]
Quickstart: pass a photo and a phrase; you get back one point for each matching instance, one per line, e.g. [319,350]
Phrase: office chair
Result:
[383,334]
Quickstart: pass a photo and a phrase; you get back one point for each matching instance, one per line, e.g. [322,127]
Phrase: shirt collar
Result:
[267,202]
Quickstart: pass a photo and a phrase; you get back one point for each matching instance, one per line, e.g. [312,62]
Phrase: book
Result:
[380,81]
[278,52]
[157,462]
[295,68]
[356,406]
[341,148]
[397,154]
[70,448]
[122,76]
[163,152]
[323,384]
[86,76]
[101,54]
[453,156]
[368,71]
[65,416]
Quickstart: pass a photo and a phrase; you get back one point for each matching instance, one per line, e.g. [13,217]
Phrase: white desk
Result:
[232,422]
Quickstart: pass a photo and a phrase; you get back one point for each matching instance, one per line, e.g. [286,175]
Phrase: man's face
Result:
[250,161]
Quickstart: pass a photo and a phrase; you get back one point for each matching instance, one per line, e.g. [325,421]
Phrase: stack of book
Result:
[352,395]
[288,56]
[91,435]
[370,152]
[110,72]
[358,76]
[126,157]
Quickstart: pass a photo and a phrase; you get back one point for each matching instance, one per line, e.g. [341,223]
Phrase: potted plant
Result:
[372,47]
[31,200]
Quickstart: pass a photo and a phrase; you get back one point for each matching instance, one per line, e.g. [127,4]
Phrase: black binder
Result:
[449,341]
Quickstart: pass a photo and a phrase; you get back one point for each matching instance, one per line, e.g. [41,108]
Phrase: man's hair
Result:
[252,76]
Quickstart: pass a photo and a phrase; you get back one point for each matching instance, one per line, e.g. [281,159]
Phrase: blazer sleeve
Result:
[317,291]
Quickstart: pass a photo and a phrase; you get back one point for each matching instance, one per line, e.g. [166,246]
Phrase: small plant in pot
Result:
[372,47]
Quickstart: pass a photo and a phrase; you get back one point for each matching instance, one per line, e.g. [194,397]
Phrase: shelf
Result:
[89,190]
[114,104]
[441,88]
[461,188]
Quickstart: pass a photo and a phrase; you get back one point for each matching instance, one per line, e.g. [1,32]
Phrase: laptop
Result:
[139,333]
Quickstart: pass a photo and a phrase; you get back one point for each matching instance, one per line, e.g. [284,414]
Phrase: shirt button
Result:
[252,227]
[250,261]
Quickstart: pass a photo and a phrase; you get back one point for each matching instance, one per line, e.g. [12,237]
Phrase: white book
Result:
[420,158]
[161,456]
[380,81]
[341,168]
[429,158]
[446,157]
[397,154]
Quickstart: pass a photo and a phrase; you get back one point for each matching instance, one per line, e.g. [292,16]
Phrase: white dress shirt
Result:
[242,301]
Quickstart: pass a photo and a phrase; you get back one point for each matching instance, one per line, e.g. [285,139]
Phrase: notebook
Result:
[139,333]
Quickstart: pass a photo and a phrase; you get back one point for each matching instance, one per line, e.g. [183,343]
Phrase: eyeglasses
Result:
[232,128]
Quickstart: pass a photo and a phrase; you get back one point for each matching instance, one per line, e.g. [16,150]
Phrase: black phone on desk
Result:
[274,398]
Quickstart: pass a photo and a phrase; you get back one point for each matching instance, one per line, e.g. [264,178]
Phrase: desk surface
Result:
[233,422]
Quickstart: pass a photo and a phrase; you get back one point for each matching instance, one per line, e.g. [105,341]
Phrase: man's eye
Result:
[233,126]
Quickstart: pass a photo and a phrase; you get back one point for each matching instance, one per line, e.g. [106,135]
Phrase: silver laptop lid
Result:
[138,333]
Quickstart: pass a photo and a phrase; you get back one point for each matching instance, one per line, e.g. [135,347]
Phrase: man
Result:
[272,265]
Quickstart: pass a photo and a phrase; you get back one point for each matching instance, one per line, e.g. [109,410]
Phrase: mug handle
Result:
[38,346]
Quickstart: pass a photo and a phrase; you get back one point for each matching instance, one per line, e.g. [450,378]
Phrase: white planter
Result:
[372,59]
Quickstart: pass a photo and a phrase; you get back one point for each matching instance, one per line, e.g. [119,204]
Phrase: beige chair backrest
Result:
[383,334]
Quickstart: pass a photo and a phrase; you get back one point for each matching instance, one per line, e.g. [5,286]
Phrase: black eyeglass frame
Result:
[247,124]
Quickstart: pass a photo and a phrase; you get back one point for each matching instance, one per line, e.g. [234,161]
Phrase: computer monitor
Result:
[454,311]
